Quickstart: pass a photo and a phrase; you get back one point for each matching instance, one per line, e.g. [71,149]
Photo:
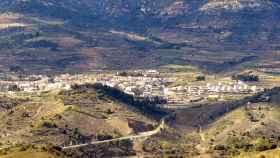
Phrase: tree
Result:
[200,78]
[13,88]
[246,77]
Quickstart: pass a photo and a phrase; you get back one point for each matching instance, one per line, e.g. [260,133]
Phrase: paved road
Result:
[178,106]
[140,135]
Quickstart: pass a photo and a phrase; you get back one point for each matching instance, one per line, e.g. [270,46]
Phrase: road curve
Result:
[131,137]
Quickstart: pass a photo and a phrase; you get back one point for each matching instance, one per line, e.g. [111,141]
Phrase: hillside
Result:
[46,36]
[251,129]
[42,124]
[52,120]
[220,130]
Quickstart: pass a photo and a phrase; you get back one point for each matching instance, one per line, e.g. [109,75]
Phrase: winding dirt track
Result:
[132,137]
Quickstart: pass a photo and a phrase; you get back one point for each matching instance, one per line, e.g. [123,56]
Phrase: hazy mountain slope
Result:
[106,33]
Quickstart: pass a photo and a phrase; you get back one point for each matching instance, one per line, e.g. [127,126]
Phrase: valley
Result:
[139,78]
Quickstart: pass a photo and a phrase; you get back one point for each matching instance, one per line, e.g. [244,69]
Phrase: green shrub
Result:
[264,144]
[200,78]
[48,124]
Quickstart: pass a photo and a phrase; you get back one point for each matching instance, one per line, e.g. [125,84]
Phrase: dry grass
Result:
[233,121]
[28,154]
[266,154]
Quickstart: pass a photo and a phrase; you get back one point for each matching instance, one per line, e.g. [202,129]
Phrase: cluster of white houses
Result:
[131,85]
[138,86]
[151,87]
[45,83]
[234,87]
[185,94]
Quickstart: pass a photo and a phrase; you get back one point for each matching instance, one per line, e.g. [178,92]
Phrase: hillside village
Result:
[145,84]
[44,83]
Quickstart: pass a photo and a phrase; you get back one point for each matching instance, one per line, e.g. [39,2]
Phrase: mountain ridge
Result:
[190,34]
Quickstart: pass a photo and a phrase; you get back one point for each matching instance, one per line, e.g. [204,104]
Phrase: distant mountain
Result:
[70,35]
[237,5]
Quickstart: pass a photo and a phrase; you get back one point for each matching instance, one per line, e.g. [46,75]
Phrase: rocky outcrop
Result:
[237,5]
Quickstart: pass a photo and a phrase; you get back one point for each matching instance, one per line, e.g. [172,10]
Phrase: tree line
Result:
[146,106]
